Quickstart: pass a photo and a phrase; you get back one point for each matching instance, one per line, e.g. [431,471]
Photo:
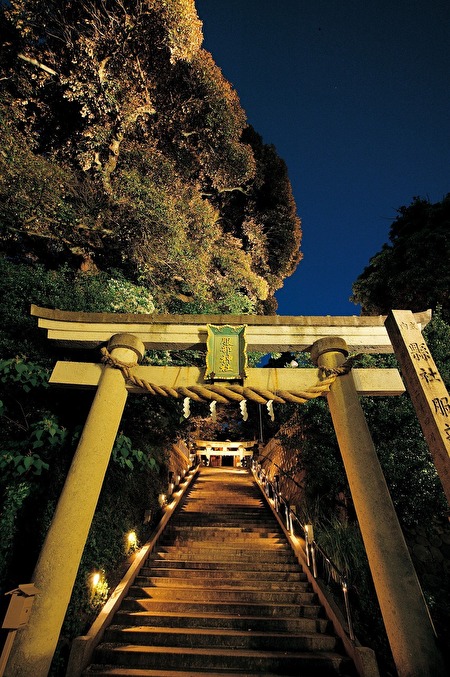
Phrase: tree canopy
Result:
[125,148]
[413,272]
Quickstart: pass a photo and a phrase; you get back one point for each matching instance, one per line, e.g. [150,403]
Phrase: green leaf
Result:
[28,461]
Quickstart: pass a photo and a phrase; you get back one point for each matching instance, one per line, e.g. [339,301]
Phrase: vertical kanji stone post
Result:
[61,553]
[405,614]
[426,388]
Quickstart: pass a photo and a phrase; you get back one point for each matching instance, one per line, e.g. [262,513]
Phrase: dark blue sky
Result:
[355,96]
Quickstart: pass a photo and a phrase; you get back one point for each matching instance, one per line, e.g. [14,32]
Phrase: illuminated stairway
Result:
[222,594]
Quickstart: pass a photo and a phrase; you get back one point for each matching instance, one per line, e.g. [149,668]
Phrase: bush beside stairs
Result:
[221,594]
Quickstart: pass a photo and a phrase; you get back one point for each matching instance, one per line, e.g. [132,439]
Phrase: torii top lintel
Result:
[264,333]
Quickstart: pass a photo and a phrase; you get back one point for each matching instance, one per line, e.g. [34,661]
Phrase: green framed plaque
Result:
[226,356]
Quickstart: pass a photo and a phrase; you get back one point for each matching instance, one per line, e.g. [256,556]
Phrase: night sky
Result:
[355,96]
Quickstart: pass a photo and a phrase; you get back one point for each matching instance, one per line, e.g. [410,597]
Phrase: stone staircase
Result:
[222,594]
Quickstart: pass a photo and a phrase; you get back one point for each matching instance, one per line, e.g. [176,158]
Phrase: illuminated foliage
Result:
[126,147]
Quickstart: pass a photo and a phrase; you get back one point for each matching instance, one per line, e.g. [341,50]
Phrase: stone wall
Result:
[280,460]
[179,462]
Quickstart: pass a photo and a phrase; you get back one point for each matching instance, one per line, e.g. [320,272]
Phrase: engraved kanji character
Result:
[441,406]
[419,351]
[429,375]
[447,431]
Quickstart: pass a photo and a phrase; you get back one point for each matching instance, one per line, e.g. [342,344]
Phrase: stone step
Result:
[209,532]
[251,540]
[239,495]
[219,638]
[234,513]
[235,608]
[230,523]
[207,509]
[204,582]
[225,575]
[215,554]
[223,566]
[245,660]
[219,535]
[224,522]
[227,621]
[111,671]
[205,534]
[211,510]
[256,514]
[221,594]
[206,496]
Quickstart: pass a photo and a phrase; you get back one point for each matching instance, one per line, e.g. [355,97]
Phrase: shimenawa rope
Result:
[227,393]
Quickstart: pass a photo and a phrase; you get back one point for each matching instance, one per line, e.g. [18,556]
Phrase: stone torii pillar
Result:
[405,614]
[60,557]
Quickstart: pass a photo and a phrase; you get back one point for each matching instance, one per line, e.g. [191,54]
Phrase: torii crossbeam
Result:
[265,333]
[181,332]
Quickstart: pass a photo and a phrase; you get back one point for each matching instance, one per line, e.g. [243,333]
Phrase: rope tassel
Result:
[243,408]
[186,407]
[212,408]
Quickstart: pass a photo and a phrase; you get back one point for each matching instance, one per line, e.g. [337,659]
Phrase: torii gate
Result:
[329,339]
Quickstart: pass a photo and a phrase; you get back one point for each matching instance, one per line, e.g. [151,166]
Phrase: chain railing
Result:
[317,560]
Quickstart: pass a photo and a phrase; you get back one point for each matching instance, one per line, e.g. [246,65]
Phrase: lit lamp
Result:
[310,553]
[99,588]
[309,533]
[132,541]
[95,580]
